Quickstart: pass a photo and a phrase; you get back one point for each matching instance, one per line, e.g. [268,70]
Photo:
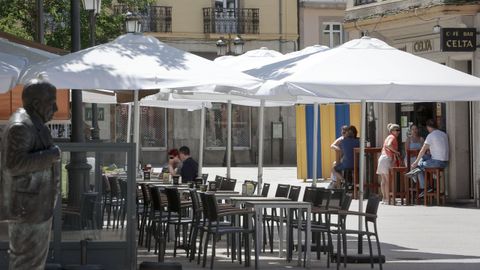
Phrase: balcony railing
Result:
[231,20]
[153,18]
[364,2]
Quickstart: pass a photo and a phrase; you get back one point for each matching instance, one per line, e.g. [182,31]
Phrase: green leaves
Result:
[18,17]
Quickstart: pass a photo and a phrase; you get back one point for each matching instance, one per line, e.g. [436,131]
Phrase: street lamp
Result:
[132,23]
[93,7]
[224,46]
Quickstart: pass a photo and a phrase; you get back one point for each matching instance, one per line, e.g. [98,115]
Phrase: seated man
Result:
[437,143]
[189,169]
[349,142]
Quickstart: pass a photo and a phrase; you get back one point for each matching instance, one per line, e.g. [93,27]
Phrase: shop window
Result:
[153,126]
[216,127]
[332,34]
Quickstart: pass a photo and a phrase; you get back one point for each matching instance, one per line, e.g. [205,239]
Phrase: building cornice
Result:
[430,12]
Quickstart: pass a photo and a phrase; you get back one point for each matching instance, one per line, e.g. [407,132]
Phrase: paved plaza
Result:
[412,237]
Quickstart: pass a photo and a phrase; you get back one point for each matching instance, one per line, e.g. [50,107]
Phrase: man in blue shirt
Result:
[189,170]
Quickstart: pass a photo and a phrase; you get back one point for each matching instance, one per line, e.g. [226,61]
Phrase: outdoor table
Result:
[373,152]
[260,203]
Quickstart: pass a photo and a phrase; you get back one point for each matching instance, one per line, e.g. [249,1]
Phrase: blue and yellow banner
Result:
[331,118]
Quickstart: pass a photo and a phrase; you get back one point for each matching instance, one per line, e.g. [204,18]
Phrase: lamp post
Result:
[224,47]
[133,25]
[93,7]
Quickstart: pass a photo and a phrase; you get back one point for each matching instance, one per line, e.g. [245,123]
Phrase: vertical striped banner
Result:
[301,130]
[327,112]
[331,118]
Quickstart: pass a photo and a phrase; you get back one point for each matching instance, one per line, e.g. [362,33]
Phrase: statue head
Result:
[40,98]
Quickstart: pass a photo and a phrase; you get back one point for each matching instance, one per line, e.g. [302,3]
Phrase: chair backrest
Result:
[139,195]
[310,194]
[372,207]
[218,180]
[211,207]
[87,210]
[265,189]
[205,177]
[322,198]
[146,194]
[196,207]
[115,189]
[123,188]
[203,201]
[228,184]
[105,185]
[173,198]
[346,203]
[282,191]
[294,193]
[336,200]
[156,198]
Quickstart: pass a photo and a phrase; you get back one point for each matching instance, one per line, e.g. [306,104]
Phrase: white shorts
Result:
[384,164]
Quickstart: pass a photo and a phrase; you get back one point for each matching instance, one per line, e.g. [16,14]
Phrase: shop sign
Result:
[423,46]
[458,39]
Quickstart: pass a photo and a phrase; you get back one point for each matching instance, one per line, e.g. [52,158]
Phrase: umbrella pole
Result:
[202,135]
[129,129]
[315,144]
[261,128]
[229,137]
[136,126]
[362,170]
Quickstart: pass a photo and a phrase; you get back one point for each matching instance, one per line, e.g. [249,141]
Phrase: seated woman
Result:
[338,154]
[349,142]
[174,162]
[413,142]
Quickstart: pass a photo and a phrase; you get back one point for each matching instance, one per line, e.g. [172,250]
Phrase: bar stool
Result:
[434,185]
[404,185]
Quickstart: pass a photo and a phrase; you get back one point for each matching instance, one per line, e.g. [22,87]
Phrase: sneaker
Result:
[429,190]
[421,195]
[413,172]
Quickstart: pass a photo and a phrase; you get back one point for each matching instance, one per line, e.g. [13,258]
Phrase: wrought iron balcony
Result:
[364,2]
[153,18]
[231,20]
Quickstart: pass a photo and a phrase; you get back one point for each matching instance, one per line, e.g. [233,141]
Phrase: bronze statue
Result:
[30,178]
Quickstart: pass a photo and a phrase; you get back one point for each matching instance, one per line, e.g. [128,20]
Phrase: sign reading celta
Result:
[458,39]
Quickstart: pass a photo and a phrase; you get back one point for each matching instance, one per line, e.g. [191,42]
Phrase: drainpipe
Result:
[280,26]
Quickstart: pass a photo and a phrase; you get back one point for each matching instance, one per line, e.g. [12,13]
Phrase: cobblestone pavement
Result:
[412,237]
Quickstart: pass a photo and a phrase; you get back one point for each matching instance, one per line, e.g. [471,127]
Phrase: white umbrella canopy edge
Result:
[133,62]
[379,72]
[249,59]
[11,68]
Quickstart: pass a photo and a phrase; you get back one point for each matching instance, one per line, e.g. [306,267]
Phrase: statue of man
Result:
[30,175]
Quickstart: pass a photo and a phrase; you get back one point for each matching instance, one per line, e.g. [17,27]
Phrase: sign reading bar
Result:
[458,39]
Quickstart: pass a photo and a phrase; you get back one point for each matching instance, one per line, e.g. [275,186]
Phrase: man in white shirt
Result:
[437,143]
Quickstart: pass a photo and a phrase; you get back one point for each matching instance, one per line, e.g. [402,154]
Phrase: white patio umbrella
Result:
[248,60]
[135,62]
[368,69]
[33,55]
[10,69]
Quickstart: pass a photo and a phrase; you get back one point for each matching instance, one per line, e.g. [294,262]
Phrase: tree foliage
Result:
[19,17]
